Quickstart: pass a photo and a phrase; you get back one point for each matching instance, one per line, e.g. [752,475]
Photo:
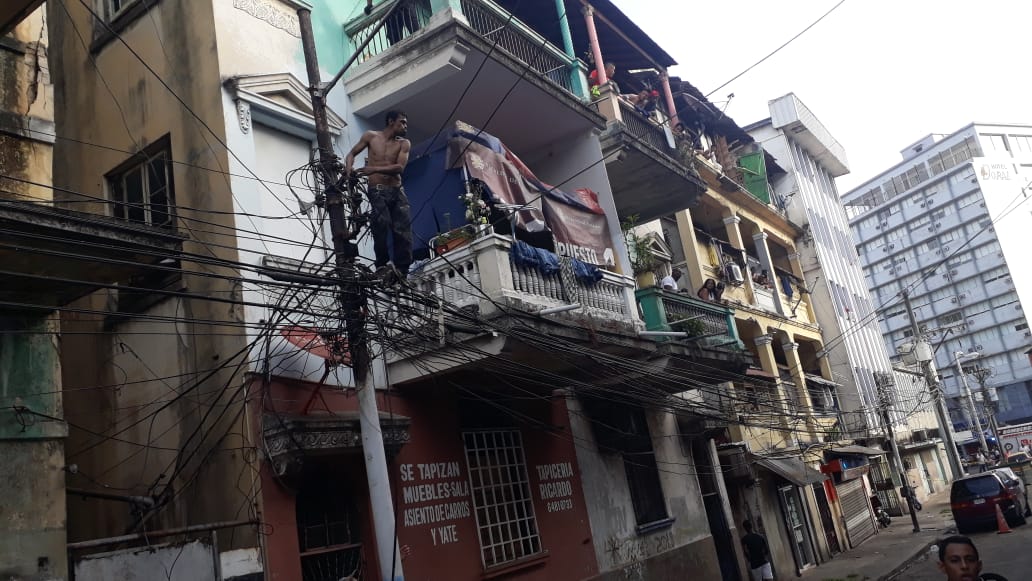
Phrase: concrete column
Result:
[577,75]
[795,260]
[734,232]
[668,95]
[734,236]
[796,263]
[691,249]
[763,254]
[596,50]
[765,353]
[795,367]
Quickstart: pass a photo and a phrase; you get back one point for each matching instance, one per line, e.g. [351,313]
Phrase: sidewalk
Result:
[888,552]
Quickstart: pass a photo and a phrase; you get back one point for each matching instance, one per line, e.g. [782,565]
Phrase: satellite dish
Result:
[330,346]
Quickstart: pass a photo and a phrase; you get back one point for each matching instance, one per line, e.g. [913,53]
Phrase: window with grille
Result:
[141,189]
[506,524]
[328,530]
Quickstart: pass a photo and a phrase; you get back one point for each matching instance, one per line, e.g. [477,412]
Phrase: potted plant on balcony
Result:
[477,212]
[684,324]
[453,239]
[639,250]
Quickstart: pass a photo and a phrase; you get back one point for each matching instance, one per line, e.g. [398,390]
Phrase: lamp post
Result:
[957,358]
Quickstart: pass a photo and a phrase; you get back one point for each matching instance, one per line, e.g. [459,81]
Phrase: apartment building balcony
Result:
[707,324]
[649,175]
[51,256]
[472,56]
[483,281]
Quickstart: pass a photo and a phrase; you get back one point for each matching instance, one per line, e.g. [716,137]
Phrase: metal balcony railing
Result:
[485,18]
[664,310]
[645,130]
[497,26]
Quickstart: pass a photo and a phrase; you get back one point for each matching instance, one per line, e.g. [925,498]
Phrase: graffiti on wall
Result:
[638,549]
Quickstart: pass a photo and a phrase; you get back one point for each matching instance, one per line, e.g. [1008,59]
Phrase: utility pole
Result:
[971,402]
[932,379]
[884,382]
[352,300]
[988,403]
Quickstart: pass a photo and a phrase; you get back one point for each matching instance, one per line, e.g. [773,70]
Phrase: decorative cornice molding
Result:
[280,100]
[270,13]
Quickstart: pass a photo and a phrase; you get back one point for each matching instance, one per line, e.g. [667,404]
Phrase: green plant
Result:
[638,247]
[683,323]
[476,208]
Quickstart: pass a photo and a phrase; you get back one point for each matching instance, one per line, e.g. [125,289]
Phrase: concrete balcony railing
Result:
[670,311]
[483,275]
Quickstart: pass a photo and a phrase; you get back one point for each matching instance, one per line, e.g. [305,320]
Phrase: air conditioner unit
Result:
[953,272]
[891,246]
[947,247]
[1028,333]
[999,255]
[939,251]
[892,271]
[953,299]
[963,296]
[734,272]
[931,228]
[978,347]
[878,227]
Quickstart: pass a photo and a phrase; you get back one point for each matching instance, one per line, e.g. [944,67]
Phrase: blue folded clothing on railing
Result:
[523,254]
[586,273]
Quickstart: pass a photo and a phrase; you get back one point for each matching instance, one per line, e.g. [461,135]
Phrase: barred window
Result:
[506,524]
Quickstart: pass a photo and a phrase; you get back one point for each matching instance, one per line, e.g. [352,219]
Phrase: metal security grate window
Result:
[498,479]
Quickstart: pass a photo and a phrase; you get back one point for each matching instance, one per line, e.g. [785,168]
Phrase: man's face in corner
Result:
[400,126]
[960,563]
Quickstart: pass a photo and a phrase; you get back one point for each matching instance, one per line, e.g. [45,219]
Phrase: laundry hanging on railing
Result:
[527,256]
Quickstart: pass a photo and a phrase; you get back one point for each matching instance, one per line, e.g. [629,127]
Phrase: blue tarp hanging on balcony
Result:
[434,183]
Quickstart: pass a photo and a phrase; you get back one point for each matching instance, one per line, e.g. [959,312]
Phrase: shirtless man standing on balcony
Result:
[386,160]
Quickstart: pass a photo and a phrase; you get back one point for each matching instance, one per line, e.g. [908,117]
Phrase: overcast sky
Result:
[879,74]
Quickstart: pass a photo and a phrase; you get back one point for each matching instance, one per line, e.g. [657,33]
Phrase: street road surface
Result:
[1009,555]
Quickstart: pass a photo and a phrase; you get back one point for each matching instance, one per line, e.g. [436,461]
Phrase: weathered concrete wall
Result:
[32,502]
[110,106]
[618,546]
[26,112]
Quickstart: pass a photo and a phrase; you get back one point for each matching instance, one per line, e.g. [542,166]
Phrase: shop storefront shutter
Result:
[856,510]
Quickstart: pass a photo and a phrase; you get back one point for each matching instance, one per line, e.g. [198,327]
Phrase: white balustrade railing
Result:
[483,273]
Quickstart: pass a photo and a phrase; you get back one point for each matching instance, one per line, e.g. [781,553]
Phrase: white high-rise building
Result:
[813,158]
[950,224]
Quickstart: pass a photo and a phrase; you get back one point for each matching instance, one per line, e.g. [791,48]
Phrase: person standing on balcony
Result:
[593,79]
[669,282]
[388,155]
[711,290]
[407,18]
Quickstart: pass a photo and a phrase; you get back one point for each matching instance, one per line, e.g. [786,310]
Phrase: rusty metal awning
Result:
[792,469]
